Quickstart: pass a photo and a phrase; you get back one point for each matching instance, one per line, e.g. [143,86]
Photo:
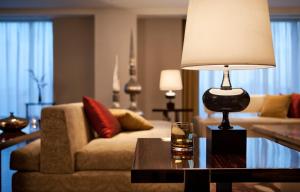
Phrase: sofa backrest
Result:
[255,105]
[64,130]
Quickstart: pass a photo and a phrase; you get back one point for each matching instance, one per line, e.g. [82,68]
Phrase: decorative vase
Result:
[12,123]
[40,97]
[132,87]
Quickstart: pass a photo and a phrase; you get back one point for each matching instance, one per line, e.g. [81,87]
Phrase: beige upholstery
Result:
[116,153]
[254,107]
[64,131]
[86,181]
[27,158]
[67,147]
[245,122]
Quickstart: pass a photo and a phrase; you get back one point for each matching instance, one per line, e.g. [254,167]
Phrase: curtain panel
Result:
[26,53]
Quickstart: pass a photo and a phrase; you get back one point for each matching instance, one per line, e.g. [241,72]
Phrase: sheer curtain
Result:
[283,79]
[25,46]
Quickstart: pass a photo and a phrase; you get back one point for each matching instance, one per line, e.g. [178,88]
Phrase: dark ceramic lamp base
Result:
[170,104]
[226,99]
[226,139]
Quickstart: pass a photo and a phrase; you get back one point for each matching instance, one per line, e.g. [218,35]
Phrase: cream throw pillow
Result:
[276,106]
[131,121]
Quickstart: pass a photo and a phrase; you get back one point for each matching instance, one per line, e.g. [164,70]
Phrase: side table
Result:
[19,138]
[176,111]
[39,105]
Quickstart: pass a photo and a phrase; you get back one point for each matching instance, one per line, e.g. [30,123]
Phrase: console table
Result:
[266,161]
[176,111]
[39,105]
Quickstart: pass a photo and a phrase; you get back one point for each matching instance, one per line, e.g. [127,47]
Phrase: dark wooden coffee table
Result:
[266,161]
[285,134]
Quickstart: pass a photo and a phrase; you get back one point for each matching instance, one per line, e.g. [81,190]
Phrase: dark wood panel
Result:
[255,175]
[196,180]
[266,161]
[157,176]
[19,139]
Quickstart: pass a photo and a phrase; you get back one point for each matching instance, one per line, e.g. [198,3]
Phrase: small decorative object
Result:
[132,87]
[182,140]
[170,81]
[34,123]
[12,124]
[40,84]
[116,84]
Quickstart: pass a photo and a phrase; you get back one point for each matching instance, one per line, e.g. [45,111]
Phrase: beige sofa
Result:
[254,108]
[69,158]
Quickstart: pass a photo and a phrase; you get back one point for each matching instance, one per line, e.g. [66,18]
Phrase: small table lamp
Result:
[225,35]
[170,81]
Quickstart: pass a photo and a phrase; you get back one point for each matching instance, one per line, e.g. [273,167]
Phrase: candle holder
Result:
[132,87]
[116,99]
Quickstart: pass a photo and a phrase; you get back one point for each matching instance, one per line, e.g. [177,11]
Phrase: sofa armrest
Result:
[64,131]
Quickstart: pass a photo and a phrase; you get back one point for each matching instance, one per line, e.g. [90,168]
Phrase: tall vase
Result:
[40,95]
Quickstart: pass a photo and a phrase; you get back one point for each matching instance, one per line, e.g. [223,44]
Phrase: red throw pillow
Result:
[294,110]
[102,121]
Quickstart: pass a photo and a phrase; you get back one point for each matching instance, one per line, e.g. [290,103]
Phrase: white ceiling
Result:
[131,4]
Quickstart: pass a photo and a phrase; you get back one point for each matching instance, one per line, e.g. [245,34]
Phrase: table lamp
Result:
[227,35]
[170,81]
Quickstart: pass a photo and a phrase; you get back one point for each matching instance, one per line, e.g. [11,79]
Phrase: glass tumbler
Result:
[182,134]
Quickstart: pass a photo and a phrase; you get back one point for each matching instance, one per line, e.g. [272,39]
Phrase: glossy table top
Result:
[12,138]
[155,154]
[287,132]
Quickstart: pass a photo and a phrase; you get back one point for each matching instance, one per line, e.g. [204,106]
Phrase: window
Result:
[283,79]
[26,52]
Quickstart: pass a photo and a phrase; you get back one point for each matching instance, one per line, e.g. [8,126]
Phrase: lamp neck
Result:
[226,84]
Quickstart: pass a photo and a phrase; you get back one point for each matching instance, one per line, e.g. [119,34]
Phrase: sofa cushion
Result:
[276,106]
[246,122]
[294,110]
[102,121]
[131,121]
[27,158]
[117,153]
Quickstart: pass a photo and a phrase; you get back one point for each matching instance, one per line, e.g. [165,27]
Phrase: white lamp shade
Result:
[170,80]
[233,32]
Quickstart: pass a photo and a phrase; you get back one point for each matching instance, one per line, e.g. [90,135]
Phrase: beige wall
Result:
[73,58]
[159,48]
[112,37]
[112,27]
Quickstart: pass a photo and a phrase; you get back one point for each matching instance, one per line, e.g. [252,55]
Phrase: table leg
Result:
[176,116]
[196,181]
[166,115]
[224,187]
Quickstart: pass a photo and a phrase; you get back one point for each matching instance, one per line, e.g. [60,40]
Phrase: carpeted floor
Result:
[250,187]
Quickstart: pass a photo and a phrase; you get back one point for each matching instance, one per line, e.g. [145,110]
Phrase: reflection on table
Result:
[261,154]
